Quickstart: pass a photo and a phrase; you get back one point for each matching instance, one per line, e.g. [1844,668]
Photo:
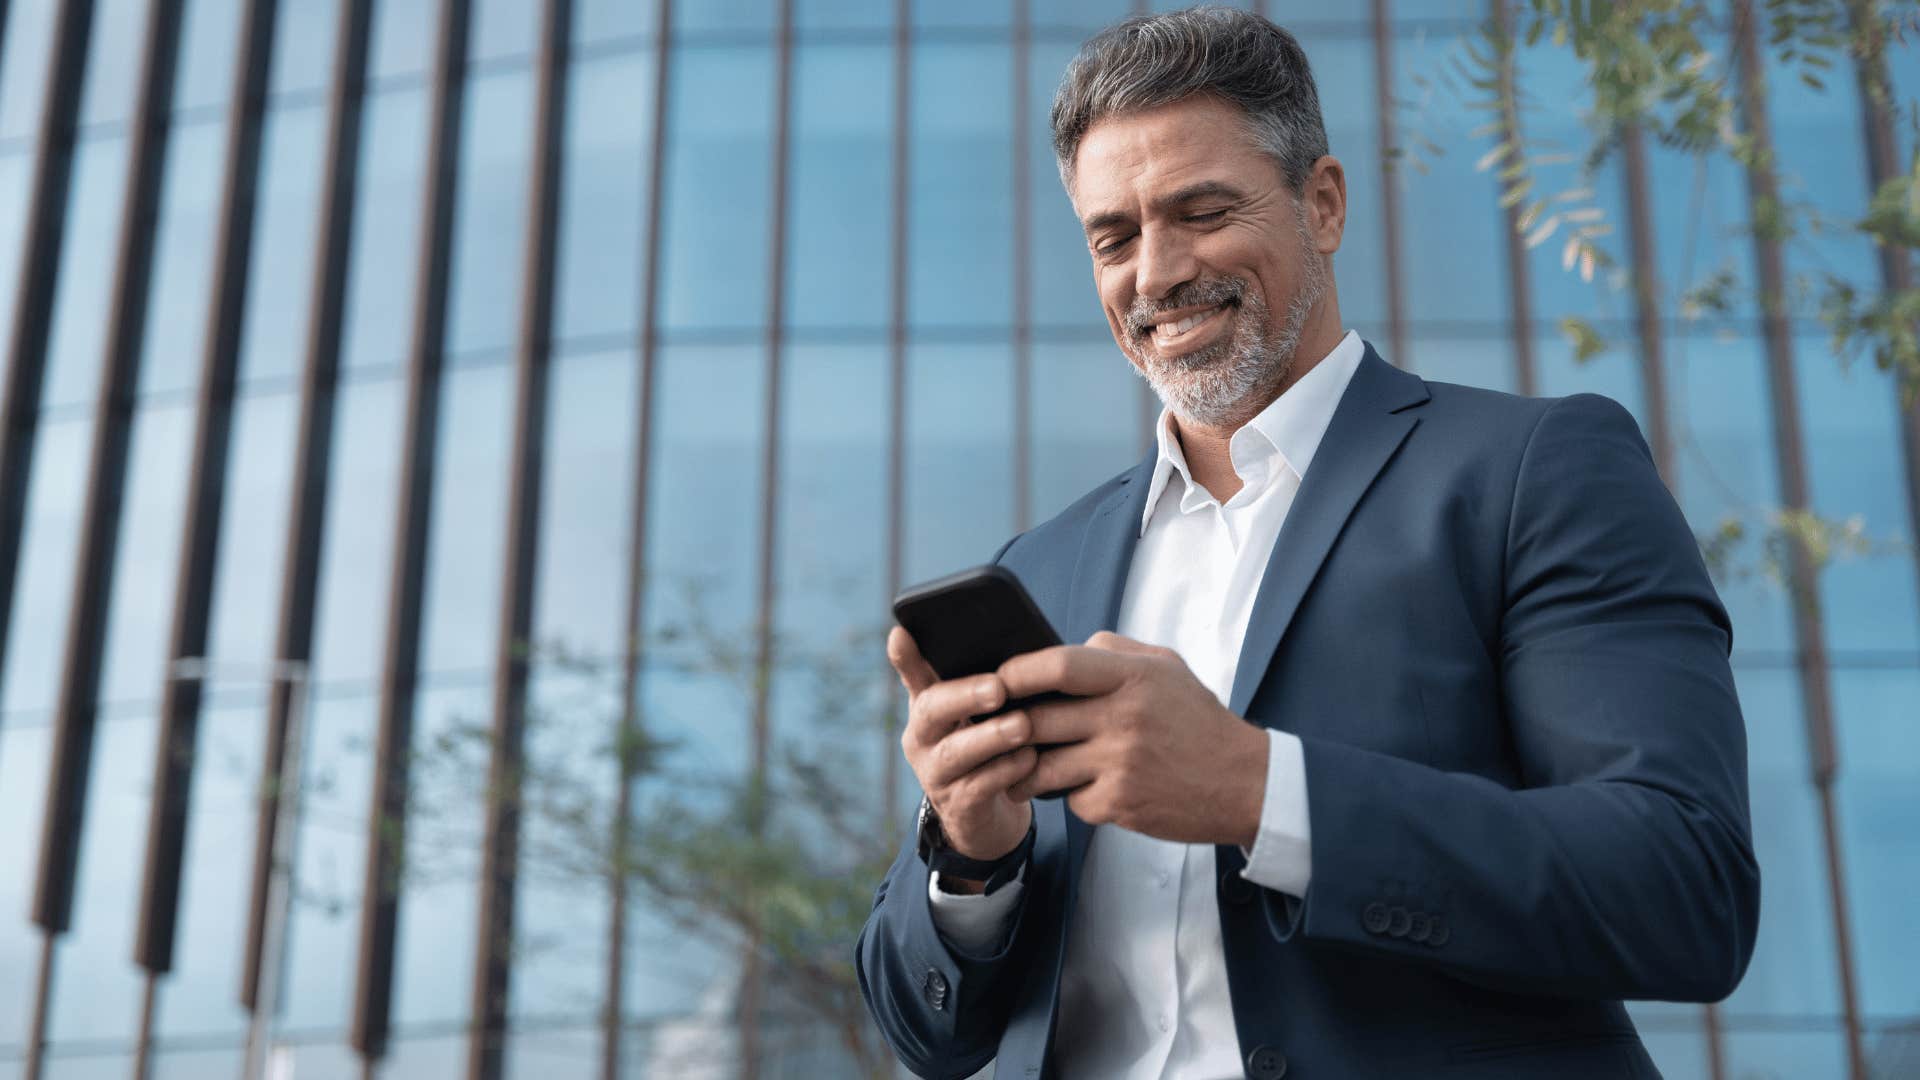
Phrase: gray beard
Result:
[1227,383]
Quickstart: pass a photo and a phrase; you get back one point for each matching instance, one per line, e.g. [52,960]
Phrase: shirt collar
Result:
[1291,426]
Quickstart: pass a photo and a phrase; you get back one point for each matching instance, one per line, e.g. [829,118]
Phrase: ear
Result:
[1325,194]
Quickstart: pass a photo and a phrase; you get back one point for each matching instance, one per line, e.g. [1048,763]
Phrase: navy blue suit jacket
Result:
[1492,629]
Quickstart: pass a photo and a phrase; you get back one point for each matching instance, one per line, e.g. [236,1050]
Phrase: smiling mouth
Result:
[1173,334]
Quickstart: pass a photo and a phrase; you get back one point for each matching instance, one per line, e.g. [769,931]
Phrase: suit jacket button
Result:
[935,987]
[1440,932]
[1375,918]
[1421,927]
[1266,1063]
[1236,889]
[1399,922]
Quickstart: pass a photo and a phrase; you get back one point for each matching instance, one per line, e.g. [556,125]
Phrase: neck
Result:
[1207,447]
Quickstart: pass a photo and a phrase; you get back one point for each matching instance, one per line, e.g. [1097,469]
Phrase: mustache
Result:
[1210,292]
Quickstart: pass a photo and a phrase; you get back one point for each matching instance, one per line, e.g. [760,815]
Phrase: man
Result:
[1416,750]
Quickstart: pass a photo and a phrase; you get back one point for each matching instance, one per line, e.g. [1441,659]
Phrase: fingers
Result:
[1000,774]
[1108,641]
[971,746]
[940,707]
[1064,721]
[902,652]
[1060,769]
[1072,669]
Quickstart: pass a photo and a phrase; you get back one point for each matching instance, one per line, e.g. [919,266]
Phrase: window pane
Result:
[383,261]
[23,71]
[273,342]
[718,189]
[1086,422]
[959,457]
[24,751]
[483,310]
[209,51]
[78,337]
[111,82]
[466,535]
[604,197]
[962,186]
[838,269]
[303,47]
[182,279]
[1879,801]
[356,551]
[833,494]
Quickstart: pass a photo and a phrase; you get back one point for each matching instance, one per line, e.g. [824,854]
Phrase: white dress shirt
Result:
[1143,995]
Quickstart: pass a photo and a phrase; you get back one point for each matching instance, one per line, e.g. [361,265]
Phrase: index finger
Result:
[1068,669]
[904,654]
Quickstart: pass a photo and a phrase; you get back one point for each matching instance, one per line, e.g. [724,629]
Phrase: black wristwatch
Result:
[942,859]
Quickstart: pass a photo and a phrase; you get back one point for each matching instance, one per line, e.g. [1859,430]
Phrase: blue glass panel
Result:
[1614,373]
[1854,467]
[23,71]
[303,47]
[1080,17]
[987,13]
[1343,72]
[503,28]
[702,537]
[324,922]
[1788,1052]
[1724,444]
[959,457]
[209,50]
[49,549]
[1792,972]
[1822,156]
[489,232]
[403,42]
[842,14]
[140,615]
[833,494]
[200,999]
[466,533]
[1674,1034]
[244,622]
[718,188]
[96,991]
[110,85]
[580,586]
[603,201]
[434,948]
[1086,422]
[1471,360]
[612,20]
[195,1064]
[78,337]
[1453,242]
[734,17]
[182,280]
[1879,802]
[383,262]
[962,185]
[274,331]
[350,617]
[838,272]
[24,749]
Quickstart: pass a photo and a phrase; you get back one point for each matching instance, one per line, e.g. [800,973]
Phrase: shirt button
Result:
[1266,1063]
[1164,878]
[1165,1024]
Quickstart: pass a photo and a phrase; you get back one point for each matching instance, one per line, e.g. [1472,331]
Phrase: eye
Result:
[1109,247]
[1203,218]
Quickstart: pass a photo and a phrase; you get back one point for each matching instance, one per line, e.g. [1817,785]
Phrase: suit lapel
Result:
[1367,427]
[1099,581]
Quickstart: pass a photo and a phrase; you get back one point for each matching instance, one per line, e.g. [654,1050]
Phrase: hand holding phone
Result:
[971,622]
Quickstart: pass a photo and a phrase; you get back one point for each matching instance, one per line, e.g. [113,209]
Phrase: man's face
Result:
[1207,264]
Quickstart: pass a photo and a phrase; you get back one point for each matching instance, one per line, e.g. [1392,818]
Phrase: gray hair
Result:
[1152,60]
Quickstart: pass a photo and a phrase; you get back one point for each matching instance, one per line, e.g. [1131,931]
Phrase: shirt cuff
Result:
[1282,855]
[975,922]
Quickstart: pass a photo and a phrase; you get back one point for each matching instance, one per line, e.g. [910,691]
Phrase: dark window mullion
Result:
[386,815]
[312,456]
[500,845]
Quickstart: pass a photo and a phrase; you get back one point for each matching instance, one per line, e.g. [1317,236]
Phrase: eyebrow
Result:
[1192,192]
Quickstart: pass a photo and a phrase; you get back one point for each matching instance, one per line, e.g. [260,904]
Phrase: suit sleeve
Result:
[1621,866]
[941,1006]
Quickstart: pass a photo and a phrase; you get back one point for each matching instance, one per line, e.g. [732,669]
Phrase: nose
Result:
[1165,263]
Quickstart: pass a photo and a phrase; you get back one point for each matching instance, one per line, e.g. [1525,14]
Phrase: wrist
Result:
[1249,786]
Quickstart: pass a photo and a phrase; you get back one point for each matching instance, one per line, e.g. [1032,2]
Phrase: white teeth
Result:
[1175,329]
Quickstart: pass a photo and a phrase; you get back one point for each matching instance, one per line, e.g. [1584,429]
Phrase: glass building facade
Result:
[354,347]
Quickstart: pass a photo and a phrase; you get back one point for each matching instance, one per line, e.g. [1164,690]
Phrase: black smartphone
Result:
[971,622]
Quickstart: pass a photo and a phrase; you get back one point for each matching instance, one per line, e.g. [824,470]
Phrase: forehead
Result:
[1125,160]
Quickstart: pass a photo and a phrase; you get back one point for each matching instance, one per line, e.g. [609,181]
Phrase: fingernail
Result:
[987,694]
[1010,730]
